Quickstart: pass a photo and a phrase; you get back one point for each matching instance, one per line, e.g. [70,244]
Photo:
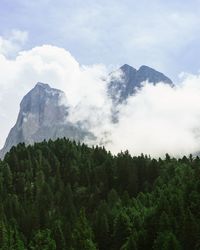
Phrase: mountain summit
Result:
[42,116]
[126,80]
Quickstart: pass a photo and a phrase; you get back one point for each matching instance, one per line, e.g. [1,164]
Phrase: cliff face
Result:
[42,116]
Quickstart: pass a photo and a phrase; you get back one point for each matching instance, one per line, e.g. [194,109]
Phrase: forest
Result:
[61,195]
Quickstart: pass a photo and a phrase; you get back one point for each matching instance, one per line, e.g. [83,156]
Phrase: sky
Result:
[72,45]
[161,34]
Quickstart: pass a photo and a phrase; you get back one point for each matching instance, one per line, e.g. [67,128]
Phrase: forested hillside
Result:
[62,195]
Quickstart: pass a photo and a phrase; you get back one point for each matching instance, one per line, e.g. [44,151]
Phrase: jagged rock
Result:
[125,81]
[43,116]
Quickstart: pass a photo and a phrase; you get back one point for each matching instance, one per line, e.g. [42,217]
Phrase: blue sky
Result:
[161,34]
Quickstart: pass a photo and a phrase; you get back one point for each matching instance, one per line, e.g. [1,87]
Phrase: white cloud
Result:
[155,33]
[10,45]
[83,86]
[158,119]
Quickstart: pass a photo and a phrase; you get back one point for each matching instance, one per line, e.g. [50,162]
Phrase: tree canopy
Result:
[65,195]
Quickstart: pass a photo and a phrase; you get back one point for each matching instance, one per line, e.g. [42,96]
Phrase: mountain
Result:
[126,80]
[43,116]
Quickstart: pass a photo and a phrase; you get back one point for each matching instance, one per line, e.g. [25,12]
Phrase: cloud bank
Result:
[161,119]
[156,120]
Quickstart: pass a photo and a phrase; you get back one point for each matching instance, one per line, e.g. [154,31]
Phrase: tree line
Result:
[61,195]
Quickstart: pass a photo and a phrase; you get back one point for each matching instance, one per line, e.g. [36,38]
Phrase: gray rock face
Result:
[120,88]
[42,116]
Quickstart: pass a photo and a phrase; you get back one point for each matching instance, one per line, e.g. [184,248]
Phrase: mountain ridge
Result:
[130,80]
[43,116]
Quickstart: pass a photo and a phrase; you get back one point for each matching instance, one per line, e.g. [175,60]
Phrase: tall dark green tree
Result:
[82,236]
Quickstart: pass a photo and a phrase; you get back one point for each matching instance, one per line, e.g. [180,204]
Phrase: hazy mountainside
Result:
[42,115]
[60,195]
[127,79]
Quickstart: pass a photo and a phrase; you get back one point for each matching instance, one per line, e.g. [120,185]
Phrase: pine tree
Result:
[130,244]
[42,240]
[82,236]
[122,230]
[166,241]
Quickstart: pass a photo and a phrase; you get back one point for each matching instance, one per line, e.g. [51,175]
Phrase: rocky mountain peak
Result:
[146,73]
[41,96]
[42,116]
[42,85]
[121,88]
[127,68]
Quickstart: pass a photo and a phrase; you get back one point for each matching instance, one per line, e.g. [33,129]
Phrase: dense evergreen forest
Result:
[62,195]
